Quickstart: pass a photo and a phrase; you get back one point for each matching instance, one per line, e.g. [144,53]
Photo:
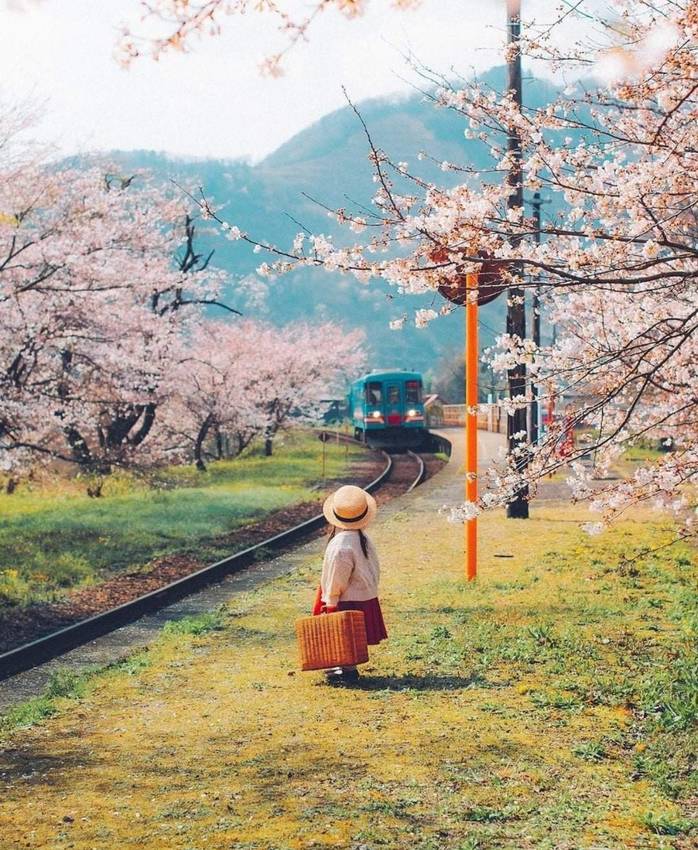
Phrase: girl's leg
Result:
[350,674]
[341,675]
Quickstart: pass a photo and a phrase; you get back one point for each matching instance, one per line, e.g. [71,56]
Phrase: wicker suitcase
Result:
[332,640]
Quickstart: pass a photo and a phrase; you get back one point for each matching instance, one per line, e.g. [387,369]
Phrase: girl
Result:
[350,570]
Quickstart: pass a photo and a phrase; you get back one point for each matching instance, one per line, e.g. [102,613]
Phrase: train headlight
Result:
[411,412]
[376,414]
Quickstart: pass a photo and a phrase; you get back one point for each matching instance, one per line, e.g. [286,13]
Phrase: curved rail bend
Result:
[420,475]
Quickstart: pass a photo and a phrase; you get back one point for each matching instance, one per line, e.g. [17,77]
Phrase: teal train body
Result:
[386,409]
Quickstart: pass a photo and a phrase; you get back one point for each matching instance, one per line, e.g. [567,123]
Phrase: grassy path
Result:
[550,705]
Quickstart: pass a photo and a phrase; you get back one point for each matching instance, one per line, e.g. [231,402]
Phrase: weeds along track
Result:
[400,474]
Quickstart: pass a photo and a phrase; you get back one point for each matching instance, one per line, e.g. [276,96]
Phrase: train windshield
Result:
[393,394]
[413,390]
[374,392]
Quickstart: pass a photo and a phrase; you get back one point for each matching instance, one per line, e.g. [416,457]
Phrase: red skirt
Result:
[373,616]
[375,627]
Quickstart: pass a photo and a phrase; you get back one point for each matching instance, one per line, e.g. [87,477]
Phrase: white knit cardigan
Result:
[346,574]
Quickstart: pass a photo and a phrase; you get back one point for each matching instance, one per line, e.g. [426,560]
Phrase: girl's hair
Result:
[363,540]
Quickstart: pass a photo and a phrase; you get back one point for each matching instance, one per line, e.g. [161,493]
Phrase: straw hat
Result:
[350,508]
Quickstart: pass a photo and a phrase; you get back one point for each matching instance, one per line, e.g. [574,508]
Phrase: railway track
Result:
[401,474]
[407,472]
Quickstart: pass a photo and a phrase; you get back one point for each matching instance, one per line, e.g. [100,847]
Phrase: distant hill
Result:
[328,162]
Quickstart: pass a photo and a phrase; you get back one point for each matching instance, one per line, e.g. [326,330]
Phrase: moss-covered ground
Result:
[550,704]
[54,537]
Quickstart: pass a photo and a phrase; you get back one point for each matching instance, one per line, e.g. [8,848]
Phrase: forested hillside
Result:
[327,164]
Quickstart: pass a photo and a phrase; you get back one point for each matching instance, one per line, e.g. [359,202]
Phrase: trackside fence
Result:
[490,417]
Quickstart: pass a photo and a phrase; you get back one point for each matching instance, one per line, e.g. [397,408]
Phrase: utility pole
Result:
[536,410]
[516,310]
[535,326]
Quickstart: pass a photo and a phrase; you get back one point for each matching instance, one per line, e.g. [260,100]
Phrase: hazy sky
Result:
[213,101]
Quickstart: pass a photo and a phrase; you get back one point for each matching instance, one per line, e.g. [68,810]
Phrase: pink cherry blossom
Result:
[236,381]
[616,262]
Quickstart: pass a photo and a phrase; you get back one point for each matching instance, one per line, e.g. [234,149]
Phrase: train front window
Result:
[393,394]
[374,393]
[413,392]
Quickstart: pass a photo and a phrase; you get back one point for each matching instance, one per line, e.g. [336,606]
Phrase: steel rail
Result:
[420,475]
[56,643]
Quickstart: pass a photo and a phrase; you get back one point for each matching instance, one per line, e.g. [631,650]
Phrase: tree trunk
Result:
[79,448]
[219,444]
[269,434]
[94,491]
[199,444]
[148,412]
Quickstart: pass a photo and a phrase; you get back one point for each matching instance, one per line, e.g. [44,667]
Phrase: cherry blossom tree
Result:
[237,381]
[616,264]
[90,311]
[311,361]
[106,359]
[214,379]
[173,25]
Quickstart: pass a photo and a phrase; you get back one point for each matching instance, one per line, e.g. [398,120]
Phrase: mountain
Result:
[327,165]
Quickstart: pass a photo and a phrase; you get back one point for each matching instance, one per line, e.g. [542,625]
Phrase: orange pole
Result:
[471,364]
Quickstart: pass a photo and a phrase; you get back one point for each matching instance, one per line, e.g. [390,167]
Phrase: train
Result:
[386,410]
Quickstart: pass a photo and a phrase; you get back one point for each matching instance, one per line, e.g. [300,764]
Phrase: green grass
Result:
[196,625]
[644,450]
[53,537]
[667,825]
[556,709]
[64,684]
[67,685]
